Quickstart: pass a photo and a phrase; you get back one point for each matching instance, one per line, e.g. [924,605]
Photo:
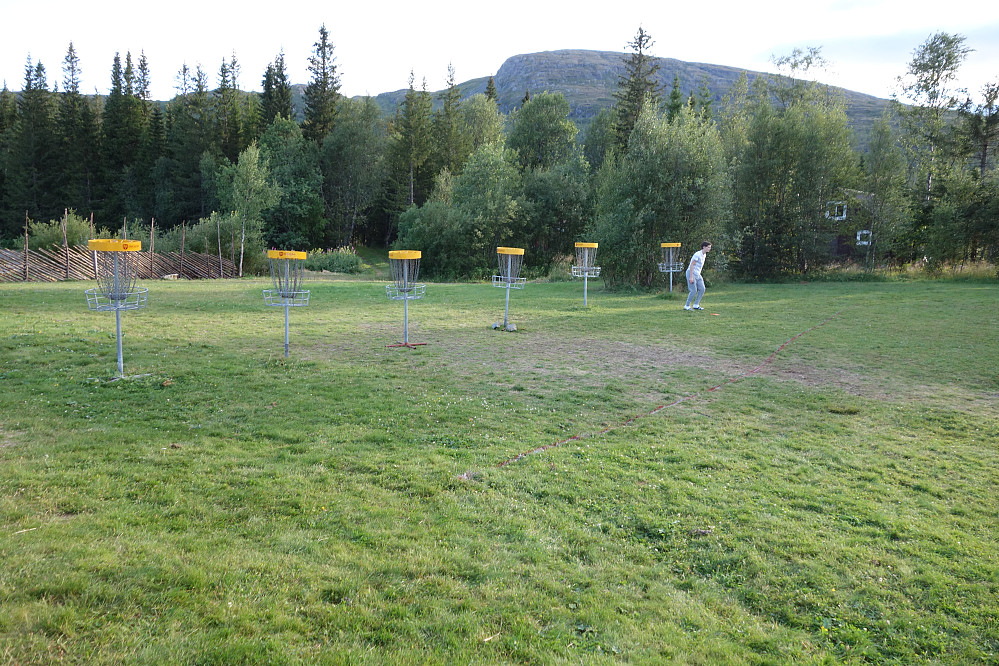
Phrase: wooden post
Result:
[65,240]
[93,253]
[25,246]
[218,232]
[152,240]
[183,233]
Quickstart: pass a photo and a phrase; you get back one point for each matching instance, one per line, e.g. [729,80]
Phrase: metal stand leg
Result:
[286,331]
[585,277]
[509,274]
[405,322]
[117,334]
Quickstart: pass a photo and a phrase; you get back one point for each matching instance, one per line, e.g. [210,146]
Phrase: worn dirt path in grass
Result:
[537,360]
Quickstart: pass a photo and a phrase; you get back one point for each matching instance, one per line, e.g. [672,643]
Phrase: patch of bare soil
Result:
[844,380]
[6,439]
[538,360]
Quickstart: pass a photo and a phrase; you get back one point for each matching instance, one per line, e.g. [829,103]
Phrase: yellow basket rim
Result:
[405,254]
[593,245]
[114,245]
[509,250]
[285,254]
[669,245]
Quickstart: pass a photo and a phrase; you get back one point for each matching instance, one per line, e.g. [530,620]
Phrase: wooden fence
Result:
[80,263]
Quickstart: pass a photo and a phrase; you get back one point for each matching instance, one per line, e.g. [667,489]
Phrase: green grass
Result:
[225,505]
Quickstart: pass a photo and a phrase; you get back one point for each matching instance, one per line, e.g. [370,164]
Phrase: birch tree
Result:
[245,189]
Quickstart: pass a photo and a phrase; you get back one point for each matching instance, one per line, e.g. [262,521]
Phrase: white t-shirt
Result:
[696,263]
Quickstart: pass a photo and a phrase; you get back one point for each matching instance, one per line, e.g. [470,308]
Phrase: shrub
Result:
[46,234]
[340,260]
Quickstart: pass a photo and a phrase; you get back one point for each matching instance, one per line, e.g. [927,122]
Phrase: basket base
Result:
[131,300]
[411,293]
[586,271]
[411,345]
[498,326]
[291,299]
[508,283]
[118,379]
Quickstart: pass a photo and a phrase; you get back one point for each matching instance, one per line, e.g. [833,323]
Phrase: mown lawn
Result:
[834,502]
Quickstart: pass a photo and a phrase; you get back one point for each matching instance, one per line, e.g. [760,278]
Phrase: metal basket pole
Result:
[287,342]
[117,317]
[586,255]
[510,261]
[116,272]
[670,263]
[506,307]
[405,306]
[287,275]
[405,265]
[287,267]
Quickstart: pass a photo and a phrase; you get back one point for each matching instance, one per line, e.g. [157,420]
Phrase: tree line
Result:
[769,173]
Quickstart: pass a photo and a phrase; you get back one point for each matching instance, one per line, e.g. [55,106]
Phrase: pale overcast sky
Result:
[868,42]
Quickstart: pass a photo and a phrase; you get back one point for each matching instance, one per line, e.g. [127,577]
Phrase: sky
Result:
[868,43]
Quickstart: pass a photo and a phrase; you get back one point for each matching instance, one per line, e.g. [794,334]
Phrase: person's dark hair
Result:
[705,244]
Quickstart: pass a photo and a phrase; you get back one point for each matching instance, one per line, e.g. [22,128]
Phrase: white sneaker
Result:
[697,307]
[686,307]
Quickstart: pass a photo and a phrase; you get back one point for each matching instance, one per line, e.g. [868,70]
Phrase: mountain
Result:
[588,79]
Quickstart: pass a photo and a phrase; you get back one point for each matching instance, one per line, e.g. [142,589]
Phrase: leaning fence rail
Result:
[57,263]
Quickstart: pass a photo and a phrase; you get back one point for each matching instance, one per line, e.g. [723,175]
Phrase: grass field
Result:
[833,503]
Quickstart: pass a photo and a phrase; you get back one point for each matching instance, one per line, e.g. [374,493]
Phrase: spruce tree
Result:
[152,148]
[674,103]
[151,139]
[705,98]
[275,101]
[323,92]
[143,80]
[8,110]
[267,94]
[122,117]
[122,125]
[8,120]
[450,151]
[188,137]
[637,87]
[33,156]
[76,129]
[225,103]
[491,93]
[414,142]
[249,113]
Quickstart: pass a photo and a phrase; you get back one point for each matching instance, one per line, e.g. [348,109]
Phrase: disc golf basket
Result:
[671,261]
[510,261]
[287,271]
[405,266]
[586,256]
[117,263]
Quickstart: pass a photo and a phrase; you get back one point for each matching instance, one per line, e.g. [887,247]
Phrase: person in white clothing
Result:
[694,280]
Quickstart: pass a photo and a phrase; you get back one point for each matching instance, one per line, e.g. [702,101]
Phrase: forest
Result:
[770,173]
